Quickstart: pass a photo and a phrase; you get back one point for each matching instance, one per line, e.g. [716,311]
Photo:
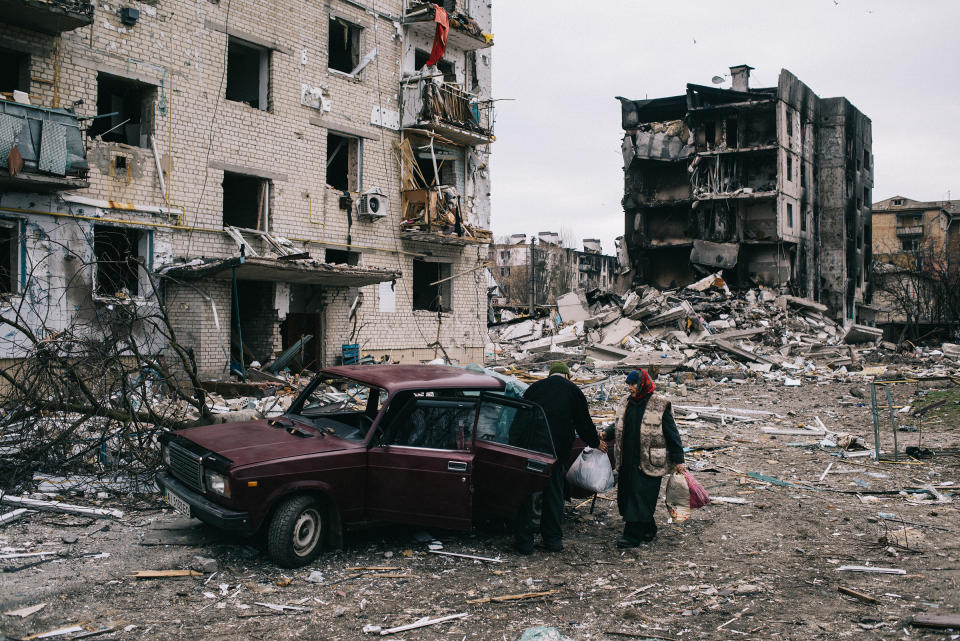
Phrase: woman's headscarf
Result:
[644,384]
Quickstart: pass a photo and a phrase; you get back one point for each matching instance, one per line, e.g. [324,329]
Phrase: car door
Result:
[513,452]
[420,467]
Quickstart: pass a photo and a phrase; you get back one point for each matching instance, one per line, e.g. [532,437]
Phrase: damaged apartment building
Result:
[772,186]
[288,174]
[557,269]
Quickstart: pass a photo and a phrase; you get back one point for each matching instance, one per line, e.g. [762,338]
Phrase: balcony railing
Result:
[911,230]
[47,16]
[448,110]
[49,143]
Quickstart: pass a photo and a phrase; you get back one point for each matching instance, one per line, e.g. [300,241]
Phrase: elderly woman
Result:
[648,447]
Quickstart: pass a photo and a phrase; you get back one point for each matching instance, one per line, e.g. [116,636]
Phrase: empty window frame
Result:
[125,108]
[14,71]
[866,159]
[733,140]
[118,254]
[910,244]
[248,74]
[343,45]
[341,257]
[789,167]
[9,256]
[246,201]
[344,162]
[432,297]
[789,215]
[803,219]
[446,67]
[789,119]
[866,196]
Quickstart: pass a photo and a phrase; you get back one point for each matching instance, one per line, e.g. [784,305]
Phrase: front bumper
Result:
[205,509]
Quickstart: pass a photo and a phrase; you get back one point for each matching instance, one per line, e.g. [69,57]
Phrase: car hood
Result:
[256,441]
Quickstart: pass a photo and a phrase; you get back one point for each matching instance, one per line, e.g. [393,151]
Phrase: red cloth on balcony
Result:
[440,36]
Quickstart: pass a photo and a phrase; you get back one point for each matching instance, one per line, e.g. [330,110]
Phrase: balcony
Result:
[430,217]
[447,110]
[910,230]
[50,144]
[47,16]
[464,31]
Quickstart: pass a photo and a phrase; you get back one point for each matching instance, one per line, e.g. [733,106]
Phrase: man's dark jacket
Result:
[567,413]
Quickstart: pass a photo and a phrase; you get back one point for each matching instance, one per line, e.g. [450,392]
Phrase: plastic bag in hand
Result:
[591,471]
[698,495]
[678,497]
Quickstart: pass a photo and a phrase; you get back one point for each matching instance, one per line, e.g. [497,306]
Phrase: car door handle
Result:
[456,466]
[536,466]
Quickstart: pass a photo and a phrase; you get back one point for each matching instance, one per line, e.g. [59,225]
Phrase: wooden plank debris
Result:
[279,607]
[57,506]
[10,517]
[857,595]
[936,621]
[468,556]
[56,632]
[163,574]
[424,622]
[513,597]
[870,569]
[25,612]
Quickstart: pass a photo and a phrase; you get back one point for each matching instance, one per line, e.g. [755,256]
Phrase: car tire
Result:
[296,532]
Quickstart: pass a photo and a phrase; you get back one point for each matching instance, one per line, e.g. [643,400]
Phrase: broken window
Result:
[910,244]
[731,130]
[866,196]
[343,51]
[789,119]
[246,201]
[248,73]
[446,67]
[125,108]
[9,255]
[341,257]
[14,71]
[866,159]
[896,201]
[789,215]
[789,167]
[710,133]
[344,164]
[118,253]
[803,174]
[428,292]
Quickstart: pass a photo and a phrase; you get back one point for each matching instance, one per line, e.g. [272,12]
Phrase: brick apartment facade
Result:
[230,134]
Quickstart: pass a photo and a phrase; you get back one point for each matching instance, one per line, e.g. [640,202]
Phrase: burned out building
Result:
[770,185]
[279,170]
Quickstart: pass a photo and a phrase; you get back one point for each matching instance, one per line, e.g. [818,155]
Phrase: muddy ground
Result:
[767,568]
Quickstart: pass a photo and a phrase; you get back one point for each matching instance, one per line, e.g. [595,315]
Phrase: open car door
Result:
[513,454]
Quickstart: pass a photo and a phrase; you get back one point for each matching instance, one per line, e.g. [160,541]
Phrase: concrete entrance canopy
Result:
[304,272]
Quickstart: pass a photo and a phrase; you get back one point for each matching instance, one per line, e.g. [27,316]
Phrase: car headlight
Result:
[217,482]
[165,453]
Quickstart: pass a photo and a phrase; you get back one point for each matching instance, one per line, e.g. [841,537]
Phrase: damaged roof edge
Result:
[269,269]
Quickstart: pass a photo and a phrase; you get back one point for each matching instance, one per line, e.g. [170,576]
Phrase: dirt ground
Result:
[767,568]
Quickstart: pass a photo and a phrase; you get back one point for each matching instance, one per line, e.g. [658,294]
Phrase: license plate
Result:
[178,503]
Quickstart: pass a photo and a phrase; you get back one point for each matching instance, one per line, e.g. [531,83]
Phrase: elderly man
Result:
[567,414]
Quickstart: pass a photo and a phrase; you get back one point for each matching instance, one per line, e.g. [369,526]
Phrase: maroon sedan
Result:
[420,444]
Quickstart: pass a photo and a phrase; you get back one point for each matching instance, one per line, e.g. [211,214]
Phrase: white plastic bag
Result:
[591,471]
[677,497]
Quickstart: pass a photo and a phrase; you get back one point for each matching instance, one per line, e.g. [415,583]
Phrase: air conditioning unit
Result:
[372,205]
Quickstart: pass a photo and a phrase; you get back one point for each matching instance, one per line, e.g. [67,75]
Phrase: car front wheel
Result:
[296,532]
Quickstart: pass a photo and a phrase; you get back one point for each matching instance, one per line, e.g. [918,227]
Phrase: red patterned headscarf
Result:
[644,383]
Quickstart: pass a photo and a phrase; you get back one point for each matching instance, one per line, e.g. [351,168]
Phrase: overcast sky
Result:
[557,163]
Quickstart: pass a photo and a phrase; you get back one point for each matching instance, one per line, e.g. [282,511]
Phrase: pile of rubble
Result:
[703,328]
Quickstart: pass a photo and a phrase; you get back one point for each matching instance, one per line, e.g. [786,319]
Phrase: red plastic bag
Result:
[698,495]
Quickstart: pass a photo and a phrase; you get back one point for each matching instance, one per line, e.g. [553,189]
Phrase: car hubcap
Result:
[306,532]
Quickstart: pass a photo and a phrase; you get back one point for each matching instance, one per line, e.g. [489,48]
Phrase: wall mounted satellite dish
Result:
[717,80]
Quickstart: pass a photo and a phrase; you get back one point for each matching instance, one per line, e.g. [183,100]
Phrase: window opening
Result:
[803,174]
[116,252]
[343,162]
[343,50]
[803,221]
[866,196]
[14,72]
[790,168]
[341,257]
[789,215]
[248,73]
[910,244]
[9,252]
[710,133]
[433,298]
[866,159]
[732,140]
[444,66]
[246,201]
[789,123]
[130,105]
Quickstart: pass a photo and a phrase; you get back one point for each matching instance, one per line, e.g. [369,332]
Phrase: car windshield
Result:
[340,406]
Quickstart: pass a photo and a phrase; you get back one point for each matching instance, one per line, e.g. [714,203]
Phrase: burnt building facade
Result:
[770,185]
